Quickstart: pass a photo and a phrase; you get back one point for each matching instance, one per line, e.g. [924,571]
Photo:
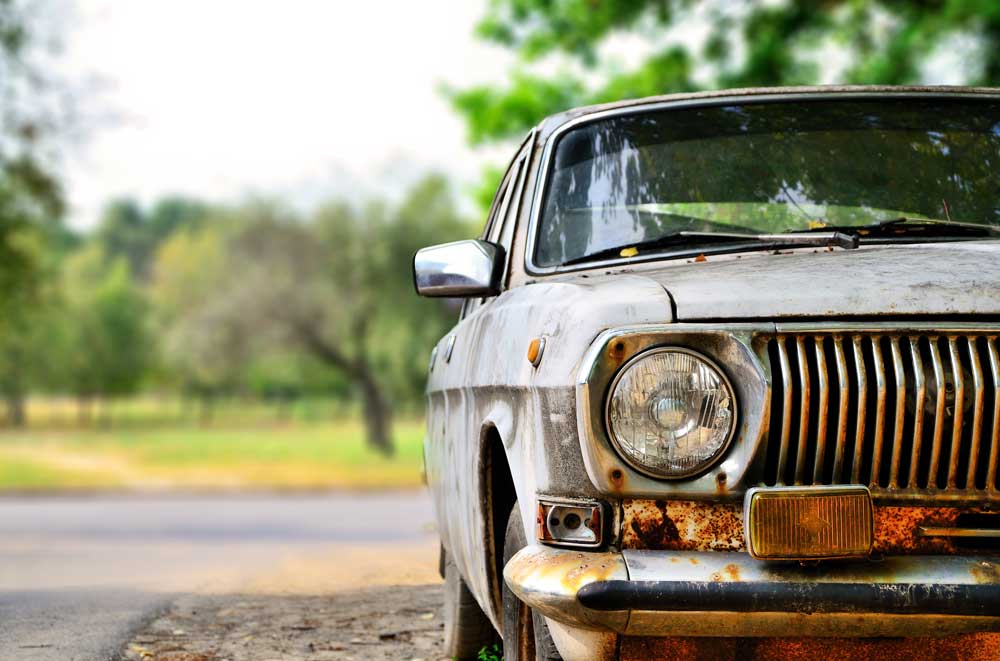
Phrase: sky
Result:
[301,99]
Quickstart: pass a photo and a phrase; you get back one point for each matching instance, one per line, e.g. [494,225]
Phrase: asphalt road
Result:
[79,575]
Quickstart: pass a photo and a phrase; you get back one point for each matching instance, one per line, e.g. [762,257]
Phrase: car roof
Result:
[553,122]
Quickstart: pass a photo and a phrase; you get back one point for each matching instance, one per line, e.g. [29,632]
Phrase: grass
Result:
[493,653]
[229,454]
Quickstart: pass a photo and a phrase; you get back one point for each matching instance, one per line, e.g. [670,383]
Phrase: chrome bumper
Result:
[667,593]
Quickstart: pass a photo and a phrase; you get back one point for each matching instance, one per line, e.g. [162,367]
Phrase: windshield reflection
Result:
[769,167]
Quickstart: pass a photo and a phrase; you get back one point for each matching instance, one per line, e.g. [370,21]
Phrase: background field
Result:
[148,445]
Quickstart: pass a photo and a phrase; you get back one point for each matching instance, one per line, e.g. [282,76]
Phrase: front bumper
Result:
[668,593]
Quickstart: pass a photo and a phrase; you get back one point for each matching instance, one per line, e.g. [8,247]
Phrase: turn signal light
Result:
[808,523]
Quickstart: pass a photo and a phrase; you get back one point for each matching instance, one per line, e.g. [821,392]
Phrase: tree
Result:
[206,344]
[126,230]
[31,202]
[108,346]
[568,50]
[335,287]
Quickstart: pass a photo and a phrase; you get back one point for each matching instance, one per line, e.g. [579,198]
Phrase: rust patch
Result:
[729,574]
[616,351]
[681,525]
[617,478]
[971,647]
[896,530]
[986,572]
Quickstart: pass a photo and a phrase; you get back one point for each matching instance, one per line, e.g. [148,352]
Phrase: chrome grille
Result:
[912,415]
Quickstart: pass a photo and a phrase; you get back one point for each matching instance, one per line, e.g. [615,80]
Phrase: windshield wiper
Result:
[908,225]
[751,241]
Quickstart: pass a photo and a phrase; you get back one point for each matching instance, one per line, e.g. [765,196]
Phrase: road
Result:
[79,575]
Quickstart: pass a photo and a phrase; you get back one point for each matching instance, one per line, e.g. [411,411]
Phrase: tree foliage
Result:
[570,51]
[258,287]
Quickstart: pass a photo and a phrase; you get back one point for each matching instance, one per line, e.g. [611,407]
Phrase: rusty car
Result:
[726,382]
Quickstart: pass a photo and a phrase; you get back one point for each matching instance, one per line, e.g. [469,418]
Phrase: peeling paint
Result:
[681,525]
[971,647]
[704,526]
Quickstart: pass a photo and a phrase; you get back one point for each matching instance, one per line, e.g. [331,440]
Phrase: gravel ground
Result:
[357,601]
[371,623]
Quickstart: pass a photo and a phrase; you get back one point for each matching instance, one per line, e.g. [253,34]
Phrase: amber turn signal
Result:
[535,349]
[808,523]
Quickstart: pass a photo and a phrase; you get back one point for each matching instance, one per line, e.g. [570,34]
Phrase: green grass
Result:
[178,455]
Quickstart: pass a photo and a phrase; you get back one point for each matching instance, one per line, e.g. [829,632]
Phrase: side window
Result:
[503,214]
[492,228]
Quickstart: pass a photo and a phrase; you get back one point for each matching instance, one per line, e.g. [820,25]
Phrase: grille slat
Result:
[958,411]
[786,409]
[880,395]
[800,455]
[994,456]
[911,414]
[899,409]
[843,401]
[978,397]
[862,403]
[939,408]
[919,402]
[823,411]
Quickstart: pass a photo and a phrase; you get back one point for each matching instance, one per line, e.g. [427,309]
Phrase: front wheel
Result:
[525,634]
[467,630]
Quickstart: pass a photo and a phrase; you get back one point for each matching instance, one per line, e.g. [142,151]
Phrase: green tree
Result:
[205,346]
[126,230]
[335,287]
[31,203]
[108,346]
[568,50]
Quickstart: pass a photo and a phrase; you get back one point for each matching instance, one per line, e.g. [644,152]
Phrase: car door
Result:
[453,427]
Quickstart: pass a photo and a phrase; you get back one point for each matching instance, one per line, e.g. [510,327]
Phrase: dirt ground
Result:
[349,602]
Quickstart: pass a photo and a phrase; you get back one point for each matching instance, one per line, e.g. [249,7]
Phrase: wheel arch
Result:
[497,497]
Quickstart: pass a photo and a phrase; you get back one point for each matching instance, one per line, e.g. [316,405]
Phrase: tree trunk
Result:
[16,412]
[83,410]
[377,416]
[206,411]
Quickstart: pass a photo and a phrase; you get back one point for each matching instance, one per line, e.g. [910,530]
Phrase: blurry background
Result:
[208,209]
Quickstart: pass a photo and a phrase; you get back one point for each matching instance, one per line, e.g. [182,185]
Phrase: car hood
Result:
[961,278]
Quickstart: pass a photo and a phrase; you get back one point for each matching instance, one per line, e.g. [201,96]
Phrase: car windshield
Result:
[769,167]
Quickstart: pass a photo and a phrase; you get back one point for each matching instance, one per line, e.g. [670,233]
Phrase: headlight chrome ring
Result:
[670,412]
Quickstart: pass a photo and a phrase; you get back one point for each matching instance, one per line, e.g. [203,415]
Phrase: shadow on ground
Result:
[385,622]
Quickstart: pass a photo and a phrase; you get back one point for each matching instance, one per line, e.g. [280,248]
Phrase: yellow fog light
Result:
[808,523]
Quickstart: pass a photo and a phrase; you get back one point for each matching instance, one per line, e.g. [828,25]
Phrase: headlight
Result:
[671,412]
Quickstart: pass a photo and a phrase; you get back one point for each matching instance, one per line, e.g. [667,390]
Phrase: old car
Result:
[726,382]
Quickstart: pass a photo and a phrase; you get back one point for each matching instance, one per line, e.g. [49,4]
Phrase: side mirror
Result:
[462,269]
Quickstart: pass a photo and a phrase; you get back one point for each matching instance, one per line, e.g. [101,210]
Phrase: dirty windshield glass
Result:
[769,167]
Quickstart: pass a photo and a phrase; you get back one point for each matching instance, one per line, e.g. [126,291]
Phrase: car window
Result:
[509,223]
[768,168]
[492,229]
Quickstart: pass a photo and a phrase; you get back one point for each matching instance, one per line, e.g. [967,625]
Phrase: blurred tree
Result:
[125,230]
[31,203]
[108,347]
[206,350]
[569,50]
[337,288]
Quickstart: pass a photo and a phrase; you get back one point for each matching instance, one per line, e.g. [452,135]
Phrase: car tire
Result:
[467,630]
[525,634]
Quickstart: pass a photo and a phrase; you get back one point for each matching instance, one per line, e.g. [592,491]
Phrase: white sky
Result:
[307,99]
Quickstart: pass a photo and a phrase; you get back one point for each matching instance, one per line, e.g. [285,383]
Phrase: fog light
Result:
[808,523]
[570,523]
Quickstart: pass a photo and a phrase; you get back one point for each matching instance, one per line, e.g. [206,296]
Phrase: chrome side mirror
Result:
[462,269]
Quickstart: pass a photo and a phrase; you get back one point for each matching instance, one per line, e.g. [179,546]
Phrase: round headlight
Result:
[671,412]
